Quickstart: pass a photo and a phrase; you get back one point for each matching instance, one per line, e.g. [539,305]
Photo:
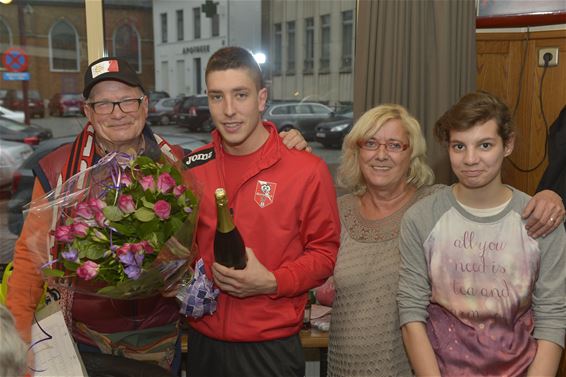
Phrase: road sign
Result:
[15,59]
[15,76]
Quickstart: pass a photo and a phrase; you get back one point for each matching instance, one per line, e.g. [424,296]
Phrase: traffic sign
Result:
[15,59]
[16,76]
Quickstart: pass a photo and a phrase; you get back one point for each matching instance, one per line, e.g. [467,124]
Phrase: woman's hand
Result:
[544,212]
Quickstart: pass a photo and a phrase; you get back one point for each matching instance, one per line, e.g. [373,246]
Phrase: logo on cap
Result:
[104,67]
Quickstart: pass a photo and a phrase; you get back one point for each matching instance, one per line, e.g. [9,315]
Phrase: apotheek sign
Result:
[196,49]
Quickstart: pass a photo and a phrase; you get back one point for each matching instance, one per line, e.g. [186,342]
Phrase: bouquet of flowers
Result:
[123,228]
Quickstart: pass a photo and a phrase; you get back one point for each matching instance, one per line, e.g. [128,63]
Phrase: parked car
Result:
[155,96]
[303,116]
[18,116]
[12,155]
[23,178]
[17,131]
[14,100]
[331,133]
[63,104]
[193,113]
[161,112]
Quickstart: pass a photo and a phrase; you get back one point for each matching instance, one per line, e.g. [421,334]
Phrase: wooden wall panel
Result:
[499,61]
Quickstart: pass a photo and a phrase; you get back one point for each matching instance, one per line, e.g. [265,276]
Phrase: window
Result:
[180,23]
[303,109]
[63,47]
[163,27]
[319,109]
[277,47]
[309,45]
[283,110]
[5,38]
[325,43]
[215,25]
[291,47]
[347,38]
[127,45]
[196,22]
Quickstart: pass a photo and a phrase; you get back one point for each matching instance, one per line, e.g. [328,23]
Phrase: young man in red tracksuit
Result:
[284,205]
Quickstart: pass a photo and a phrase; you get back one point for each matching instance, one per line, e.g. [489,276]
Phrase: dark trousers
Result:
[209,357]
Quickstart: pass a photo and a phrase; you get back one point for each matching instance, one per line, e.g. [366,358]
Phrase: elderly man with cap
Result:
[116,108]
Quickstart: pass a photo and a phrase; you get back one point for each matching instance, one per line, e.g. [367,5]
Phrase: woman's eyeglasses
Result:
[390,146]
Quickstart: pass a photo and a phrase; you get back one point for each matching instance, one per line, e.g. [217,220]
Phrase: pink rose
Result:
[165,183]
[124,249]
[137,248]
[147,183]
[101,220]
[96,204]
[125,180]
[79,229]
[147,247]
[162,209]
[84,211]
[179,190]
[126,204]
[88,270]
[64,233]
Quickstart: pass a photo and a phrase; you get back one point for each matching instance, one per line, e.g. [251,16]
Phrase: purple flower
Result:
[79,229]
[71,255]
[131,260]
[88,270]
[133,272]
[188,209]
[126,204]
[162,209]
[165,183]
[84,211]
[147,183]
[64,233]
[179,190]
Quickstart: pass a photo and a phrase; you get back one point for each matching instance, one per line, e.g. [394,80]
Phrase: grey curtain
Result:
[417,53]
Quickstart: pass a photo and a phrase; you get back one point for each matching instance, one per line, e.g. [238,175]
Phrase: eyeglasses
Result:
[107,107]
[390,146]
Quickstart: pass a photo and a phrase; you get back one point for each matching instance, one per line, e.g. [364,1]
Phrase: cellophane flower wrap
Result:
[123,228]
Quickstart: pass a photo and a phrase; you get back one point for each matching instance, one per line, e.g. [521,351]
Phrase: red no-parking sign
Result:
[15,59]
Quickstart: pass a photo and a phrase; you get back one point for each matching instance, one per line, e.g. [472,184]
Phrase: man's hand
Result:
[544,212]
[294,139]
[253,280]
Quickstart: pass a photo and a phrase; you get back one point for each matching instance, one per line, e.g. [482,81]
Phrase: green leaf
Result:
[71,266]
[143,214]
[113,213]
[90,250]
[53,272]
[123,228]
[147,203]
[175,224]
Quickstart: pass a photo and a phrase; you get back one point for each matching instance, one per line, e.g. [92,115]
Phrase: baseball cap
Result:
[110,68]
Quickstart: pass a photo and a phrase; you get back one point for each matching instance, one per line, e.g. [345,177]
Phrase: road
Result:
[72,126]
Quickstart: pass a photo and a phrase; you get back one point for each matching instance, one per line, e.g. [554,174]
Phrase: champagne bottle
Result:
[229,249]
